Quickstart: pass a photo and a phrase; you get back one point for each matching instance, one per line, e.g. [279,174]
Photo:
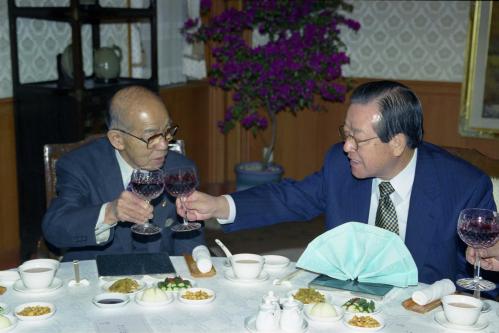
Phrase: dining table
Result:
[234,304]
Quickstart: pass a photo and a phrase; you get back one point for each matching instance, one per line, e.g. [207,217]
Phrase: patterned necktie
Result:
[386,217]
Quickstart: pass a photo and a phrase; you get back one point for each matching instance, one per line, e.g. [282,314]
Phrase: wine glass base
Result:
[486,307]
[184,227]
[146,229]
[476,284]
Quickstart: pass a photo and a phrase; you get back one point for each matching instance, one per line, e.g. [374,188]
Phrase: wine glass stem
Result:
[186,221]
[147,222]
[477,267]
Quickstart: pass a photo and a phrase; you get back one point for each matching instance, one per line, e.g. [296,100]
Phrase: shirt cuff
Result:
[232,210]
[102,230]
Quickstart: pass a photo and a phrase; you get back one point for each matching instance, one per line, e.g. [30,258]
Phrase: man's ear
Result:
[116,139]
[398,144]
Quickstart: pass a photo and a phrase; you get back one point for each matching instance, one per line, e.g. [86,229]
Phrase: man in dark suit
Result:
[93,211]
[382,135]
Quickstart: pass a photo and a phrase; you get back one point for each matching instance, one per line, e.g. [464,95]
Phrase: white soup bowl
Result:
[247,265]
[462,309]
[37,275]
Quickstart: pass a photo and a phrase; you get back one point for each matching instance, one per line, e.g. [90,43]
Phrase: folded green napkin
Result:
[360,251]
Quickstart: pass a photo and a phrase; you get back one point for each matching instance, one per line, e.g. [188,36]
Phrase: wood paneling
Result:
[9,215]
[302,140]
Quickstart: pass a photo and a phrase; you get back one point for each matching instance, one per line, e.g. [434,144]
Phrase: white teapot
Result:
[268,317]
[292,316]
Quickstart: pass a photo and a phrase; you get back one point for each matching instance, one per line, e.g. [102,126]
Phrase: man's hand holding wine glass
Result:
[489,257]
[128,207]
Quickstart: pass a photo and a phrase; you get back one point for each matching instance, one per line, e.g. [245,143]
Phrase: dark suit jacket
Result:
[443,186]
[89,177]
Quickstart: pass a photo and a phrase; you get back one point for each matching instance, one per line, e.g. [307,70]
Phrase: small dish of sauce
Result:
[110,300]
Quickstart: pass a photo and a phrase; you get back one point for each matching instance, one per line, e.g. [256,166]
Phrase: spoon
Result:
[224,248]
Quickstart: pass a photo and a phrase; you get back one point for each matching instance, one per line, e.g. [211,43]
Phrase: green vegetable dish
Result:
[359,305]
[174,284]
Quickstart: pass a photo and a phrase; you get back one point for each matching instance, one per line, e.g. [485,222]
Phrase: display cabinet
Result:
[62,110]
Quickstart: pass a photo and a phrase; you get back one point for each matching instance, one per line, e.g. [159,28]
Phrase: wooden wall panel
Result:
[9,215]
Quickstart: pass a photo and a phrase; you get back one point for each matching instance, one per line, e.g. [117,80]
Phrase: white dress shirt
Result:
[401,197]
[101,229]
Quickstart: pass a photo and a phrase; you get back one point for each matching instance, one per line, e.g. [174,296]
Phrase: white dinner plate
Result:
[250,324]
[107,285]
[442,320]
[13,323]
[111,300]
[4,308]
[200,301]
[169,298]
[56,284]
[358,328]
[339,314]
[229,275]
[8,277]
[19,308]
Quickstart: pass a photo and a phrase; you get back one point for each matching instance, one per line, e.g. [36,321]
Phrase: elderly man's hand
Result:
[202,206]
[128,207]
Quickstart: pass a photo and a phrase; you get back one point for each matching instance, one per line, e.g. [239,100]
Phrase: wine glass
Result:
[180,182]
[478,228]
[147,184]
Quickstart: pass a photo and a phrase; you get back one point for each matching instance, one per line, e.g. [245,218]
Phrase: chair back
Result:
[51,154]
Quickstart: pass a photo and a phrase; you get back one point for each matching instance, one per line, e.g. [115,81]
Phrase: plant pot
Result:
[249,174]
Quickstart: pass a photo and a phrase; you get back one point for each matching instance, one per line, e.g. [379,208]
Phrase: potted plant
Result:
[301,60]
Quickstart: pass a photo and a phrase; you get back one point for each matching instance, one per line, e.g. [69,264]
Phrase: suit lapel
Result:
[421,221]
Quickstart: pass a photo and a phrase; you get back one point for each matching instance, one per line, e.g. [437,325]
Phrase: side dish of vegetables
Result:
[359,305]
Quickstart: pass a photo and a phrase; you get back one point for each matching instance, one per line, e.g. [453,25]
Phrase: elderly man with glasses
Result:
[93,210]
[382,174]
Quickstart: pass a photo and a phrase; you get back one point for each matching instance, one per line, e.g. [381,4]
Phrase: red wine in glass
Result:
[180,182]
[147,184]
[479,229]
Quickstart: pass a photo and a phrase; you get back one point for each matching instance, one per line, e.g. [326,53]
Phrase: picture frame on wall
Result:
[480,97]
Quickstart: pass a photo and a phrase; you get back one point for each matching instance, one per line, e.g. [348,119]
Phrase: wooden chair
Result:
[485,163]
[51,154]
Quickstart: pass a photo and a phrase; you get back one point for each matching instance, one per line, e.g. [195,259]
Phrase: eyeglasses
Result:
[152,141]
[355,142]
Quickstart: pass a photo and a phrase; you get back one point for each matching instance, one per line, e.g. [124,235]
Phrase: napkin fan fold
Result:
[360,251]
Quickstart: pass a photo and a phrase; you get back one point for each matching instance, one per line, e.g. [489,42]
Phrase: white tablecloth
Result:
[234,302]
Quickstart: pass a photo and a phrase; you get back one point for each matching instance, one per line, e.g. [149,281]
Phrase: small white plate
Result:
[294,291]
[229,275]
[372,329]
[442,320]
[250,324]
[4,309]
[13,323]
[110,300]
[275,263]
[377,307]
[339,314]
[107,285]
[56,284]
[192,301]
[19,308]
[7,278]
[169,298]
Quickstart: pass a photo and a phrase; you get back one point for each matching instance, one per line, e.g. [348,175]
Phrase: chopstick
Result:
[287,277]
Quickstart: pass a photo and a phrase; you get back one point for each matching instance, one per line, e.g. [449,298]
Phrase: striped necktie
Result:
[386,217]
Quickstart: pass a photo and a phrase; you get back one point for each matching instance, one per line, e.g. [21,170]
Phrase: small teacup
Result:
[246,265]
[36,275]
[462,309]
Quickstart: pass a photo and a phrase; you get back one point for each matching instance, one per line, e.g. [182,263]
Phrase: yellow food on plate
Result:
[364,321]
[124,286]
[32,311]
[196,295]
[4,322]
[2,290]
[309,296]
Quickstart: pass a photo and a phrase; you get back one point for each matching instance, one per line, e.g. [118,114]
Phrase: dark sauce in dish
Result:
[110,301]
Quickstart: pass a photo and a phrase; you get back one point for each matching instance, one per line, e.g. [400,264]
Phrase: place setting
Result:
[38,277]
[246,268]
[461,312]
